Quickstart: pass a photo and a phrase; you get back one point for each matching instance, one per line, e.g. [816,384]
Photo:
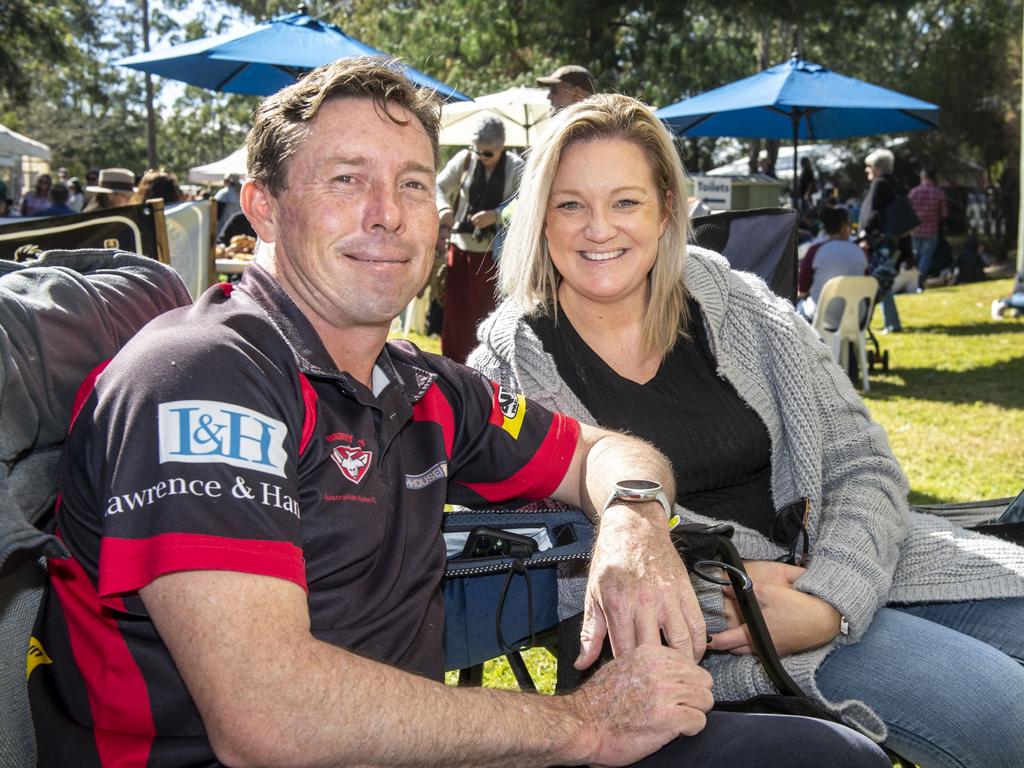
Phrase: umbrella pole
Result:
[796,180]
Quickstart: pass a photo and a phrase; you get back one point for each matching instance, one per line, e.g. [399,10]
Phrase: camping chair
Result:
[759,240]
[60,316]
[842,317]
[139,229]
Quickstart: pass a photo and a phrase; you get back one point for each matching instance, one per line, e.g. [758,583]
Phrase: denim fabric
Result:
[924,250]
[739,740]
[946,678]
[890,315]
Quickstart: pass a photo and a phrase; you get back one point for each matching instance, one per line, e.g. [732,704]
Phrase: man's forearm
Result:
[614,457]
[270,694]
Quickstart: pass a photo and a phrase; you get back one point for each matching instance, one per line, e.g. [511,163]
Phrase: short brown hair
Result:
[281,122]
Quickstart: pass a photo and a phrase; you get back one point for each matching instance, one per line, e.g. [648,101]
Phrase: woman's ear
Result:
[670,205]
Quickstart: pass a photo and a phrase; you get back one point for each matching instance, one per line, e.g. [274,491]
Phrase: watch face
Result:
[638,486]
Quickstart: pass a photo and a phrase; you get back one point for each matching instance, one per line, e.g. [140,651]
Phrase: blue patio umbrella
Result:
[799,100]
[266,58]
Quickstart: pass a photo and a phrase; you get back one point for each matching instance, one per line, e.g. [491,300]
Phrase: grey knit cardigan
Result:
[867,548]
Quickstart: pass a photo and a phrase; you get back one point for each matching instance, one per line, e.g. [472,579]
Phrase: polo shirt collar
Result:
[405,368]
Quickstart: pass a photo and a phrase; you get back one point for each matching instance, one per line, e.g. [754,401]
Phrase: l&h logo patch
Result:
[207,431]
[352,461]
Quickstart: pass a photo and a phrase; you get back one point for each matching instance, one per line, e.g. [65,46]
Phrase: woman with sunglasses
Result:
[904,625]
[472,190]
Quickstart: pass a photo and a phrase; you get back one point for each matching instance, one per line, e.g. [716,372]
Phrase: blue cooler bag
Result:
[500,586]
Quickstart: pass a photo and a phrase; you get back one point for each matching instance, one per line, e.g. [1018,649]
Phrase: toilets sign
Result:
[715,191]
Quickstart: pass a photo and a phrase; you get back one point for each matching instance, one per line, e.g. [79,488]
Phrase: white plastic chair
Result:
[842,317]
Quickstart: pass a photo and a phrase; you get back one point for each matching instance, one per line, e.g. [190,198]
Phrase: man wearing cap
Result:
[228,200]
[567,85]
[114,189]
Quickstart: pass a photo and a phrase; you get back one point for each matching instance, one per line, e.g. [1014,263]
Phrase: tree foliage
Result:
[57,84]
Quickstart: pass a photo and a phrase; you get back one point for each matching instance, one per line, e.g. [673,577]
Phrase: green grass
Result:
[953,400]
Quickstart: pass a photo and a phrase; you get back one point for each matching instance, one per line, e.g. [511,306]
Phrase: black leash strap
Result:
[518,566]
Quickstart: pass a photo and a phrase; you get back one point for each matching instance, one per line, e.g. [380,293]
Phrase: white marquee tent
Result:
[215,171]
[13,144]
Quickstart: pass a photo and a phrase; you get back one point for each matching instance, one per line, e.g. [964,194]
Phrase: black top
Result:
[223,437]
[719,448]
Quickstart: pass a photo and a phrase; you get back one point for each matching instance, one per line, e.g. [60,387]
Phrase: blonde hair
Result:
[526,273]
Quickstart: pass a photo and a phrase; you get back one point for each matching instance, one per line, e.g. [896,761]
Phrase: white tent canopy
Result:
[216,171]
[825,158]
[13,143]
[524,111]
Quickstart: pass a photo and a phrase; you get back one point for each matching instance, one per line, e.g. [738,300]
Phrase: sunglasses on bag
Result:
[789,530]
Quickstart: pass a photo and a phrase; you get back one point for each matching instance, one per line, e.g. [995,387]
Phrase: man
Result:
[251,531]
[833,257]
[472,191]
[228,200]
[929,204]
[567,85]
[114,188]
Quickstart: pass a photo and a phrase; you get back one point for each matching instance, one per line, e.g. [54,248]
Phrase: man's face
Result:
[355,227]
[562,96]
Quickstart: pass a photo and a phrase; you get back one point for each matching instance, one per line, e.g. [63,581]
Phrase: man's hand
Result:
[447,218]
[639,702]
[638,592]
[796,620]
[484,219]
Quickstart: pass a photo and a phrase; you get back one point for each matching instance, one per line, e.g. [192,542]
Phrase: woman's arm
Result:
[860,522]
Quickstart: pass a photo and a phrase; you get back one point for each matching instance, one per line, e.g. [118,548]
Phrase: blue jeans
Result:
[924,250]
[890,315]
[946,678]
[738,739]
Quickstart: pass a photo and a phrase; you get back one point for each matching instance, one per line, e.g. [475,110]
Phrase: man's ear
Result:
[260,209]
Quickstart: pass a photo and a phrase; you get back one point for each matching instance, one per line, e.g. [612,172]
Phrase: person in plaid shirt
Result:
[930,205]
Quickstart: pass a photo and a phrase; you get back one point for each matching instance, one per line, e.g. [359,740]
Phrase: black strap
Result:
[518,566]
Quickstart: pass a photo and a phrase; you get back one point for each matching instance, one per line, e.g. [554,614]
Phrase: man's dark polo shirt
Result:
[222,437]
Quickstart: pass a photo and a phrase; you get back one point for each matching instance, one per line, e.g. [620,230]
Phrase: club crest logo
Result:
[352,461]
[513,408]
[508,402]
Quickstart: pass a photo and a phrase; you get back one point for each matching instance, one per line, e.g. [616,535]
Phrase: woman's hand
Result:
[796,620]
[484,219]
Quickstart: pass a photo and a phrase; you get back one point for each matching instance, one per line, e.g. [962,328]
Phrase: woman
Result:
[158,184]
[472,190]
[888,256]
[38,198]
[610,317]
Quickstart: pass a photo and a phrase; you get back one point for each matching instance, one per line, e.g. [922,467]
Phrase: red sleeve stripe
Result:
[497,418]
[309,420]
[540,476]
[127,565]
[434,407]
[85,390]
[118,698]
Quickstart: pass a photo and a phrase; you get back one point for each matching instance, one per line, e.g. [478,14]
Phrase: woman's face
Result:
[488,154]
[604,220]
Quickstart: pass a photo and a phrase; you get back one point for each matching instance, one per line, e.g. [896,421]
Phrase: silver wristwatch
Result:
[640,491]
